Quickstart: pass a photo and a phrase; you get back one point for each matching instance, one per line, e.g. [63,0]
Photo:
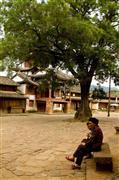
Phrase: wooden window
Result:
[31,102]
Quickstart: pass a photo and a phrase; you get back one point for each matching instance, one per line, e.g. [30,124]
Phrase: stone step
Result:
[103,158]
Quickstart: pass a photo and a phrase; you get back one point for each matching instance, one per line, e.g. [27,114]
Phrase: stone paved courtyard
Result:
[34,146]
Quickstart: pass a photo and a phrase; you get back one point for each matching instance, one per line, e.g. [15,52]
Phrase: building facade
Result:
[11,99]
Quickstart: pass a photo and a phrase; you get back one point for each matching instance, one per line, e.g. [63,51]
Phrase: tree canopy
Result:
[80,36]
[99,93]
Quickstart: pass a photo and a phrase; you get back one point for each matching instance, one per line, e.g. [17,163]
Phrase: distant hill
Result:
[105,88]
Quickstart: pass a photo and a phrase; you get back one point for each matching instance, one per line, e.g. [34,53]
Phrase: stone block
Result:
[117,129]
[103,158]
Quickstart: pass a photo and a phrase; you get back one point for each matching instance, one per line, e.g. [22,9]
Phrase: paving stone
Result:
[91,172]
[18,172]
[34,147]
[7,174]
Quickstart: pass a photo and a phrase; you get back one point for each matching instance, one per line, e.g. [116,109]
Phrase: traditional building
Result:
[11,99]
[47,98]
[103,104]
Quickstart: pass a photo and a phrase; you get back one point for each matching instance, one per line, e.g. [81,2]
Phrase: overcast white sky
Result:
[106,83]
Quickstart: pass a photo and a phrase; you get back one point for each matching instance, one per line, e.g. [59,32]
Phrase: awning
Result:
[115,105]
[17,96]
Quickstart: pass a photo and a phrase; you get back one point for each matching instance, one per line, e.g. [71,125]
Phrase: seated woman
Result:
[92,143]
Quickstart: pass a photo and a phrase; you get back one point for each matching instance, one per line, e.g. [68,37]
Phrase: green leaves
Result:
[79,35]
[99,93]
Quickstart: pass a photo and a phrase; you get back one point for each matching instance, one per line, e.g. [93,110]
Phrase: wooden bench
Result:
[117,129]
[103,158]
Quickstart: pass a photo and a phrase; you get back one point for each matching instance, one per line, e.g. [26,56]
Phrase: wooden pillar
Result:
[60,93]
[68,108]
[50,93]
[49,106]
[49,103]
[69,103]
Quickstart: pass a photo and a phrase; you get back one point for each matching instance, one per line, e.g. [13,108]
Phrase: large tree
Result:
[80,36]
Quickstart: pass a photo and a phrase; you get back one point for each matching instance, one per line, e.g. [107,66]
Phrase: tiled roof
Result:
[7,81]
[75,89]
[63,76]
[27,78]
[59,74]
[106,101]
[8,94]
[113,94]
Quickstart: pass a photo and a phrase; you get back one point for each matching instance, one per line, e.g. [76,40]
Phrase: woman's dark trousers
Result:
[80,152]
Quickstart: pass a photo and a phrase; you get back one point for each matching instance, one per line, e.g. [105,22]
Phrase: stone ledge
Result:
[103,158]
[117,129]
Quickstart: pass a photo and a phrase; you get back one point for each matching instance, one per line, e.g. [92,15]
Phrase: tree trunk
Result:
[84,111]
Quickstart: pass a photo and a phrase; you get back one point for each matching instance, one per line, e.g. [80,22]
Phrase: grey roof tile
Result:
[7,81]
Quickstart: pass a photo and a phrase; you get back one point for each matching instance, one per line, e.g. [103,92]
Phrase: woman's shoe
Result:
[89,156]
[69,158]
[76,166]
